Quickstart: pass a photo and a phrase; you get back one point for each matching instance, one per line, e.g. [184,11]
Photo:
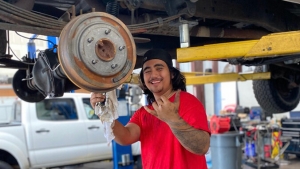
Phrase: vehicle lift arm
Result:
[272,45]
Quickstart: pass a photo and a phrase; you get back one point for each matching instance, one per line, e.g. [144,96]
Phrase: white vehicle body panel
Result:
[41,138]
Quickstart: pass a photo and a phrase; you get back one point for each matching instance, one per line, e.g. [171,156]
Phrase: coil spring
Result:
[112,8]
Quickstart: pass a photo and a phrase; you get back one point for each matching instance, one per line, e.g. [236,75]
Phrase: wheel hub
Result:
[97,52]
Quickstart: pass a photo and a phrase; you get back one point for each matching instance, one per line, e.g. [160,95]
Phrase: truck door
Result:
[97,146]
[58,136]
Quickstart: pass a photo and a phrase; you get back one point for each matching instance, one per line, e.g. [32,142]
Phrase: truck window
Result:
[89,111]
[56,110]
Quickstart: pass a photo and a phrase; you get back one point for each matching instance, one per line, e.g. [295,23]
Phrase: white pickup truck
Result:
[54,132]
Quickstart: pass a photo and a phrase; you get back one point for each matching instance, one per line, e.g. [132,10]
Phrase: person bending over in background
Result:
[172,128]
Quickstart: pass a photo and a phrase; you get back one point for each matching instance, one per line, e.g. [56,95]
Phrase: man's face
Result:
[157,76]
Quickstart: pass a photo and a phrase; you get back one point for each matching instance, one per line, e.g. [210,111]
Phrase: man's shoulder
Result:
[143,110]
[188,98]
[184,94]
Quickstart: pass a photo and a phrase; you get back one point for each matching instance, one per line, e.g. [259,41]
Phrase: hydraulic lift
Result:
[270,46]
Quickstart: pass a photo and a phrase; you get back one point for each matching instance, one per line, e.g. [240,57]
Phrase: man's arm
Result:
[125,135]
[195,140]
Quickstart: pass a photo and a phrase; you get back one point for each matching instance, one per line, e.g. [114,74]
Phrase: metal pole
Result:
[184,34]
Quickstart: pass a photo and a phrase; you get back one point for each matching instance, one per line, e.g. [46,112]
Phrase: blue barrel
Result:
[226,150]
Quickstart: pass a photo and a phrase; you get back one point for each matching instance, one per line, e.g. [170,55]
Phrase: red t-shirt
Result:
[160,148]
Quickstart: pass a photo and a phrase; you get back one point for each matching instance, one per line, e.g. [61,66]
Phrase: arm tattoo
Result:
[194,140]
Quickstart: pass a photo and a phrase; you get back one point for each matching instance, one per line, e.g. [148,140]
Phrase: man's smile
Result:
[155,81]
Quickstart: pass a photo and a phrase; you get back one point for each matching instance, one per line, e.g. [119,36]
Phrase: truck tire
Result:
[274,96]
[4,165]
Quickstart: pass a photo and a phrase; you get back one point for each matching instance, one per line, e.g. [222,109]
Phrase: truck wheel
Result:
[22,90]
[274,96]
[4,165]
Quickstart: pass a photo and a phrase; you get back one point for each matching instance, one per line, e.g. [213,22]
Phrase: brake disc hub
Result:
[97,52]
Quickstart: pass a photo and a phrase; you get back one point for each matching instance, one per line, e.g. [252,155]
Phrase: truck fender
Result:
[16,151]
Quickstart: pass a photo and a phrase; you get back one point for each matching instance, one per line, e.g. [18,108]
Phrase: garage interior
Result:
[240,59]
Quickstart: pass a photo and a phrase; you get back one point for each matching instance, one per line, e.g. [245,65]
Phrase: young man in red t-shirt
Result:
[173,128]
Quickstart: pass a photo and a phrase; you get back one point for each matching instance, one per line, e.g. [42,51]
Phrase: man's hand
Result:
[164,109]
[123,135]
[97,97]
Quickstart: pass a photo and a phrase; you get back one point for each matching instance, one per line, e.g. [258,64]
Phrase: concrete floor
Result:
[292,163]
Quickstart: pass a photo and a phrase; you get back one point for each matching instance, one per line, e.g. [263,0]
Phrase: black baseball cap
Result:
[158,54]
